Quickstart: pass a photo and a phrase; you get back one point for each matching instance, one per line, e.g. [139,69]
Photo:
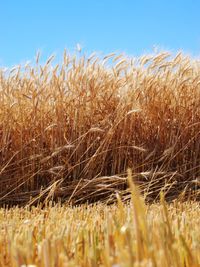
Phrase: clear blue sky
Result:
[133,27]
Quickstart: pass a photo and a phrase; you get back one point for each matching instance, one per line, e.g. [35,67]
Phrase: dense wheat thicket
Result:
[132,235]
[70,131]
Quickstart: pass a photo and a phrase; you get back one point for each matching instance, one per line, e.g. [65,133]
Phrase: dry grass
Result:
[72,130]
[131,235]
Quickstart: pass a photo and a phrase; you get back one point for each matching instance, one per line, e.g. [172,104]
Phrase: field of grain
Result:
[72,130]
[71,134]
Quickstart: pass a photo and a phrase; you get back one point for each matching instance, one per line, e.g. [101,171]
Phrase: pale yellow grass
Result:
[119,235]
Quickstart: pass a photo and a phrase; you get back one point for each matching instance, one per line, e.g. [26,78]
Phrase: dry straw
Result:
[121,235]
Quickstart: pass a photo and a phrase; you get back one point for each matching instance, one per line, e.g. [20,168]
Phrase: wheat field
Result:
[71,134]
[76,127]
